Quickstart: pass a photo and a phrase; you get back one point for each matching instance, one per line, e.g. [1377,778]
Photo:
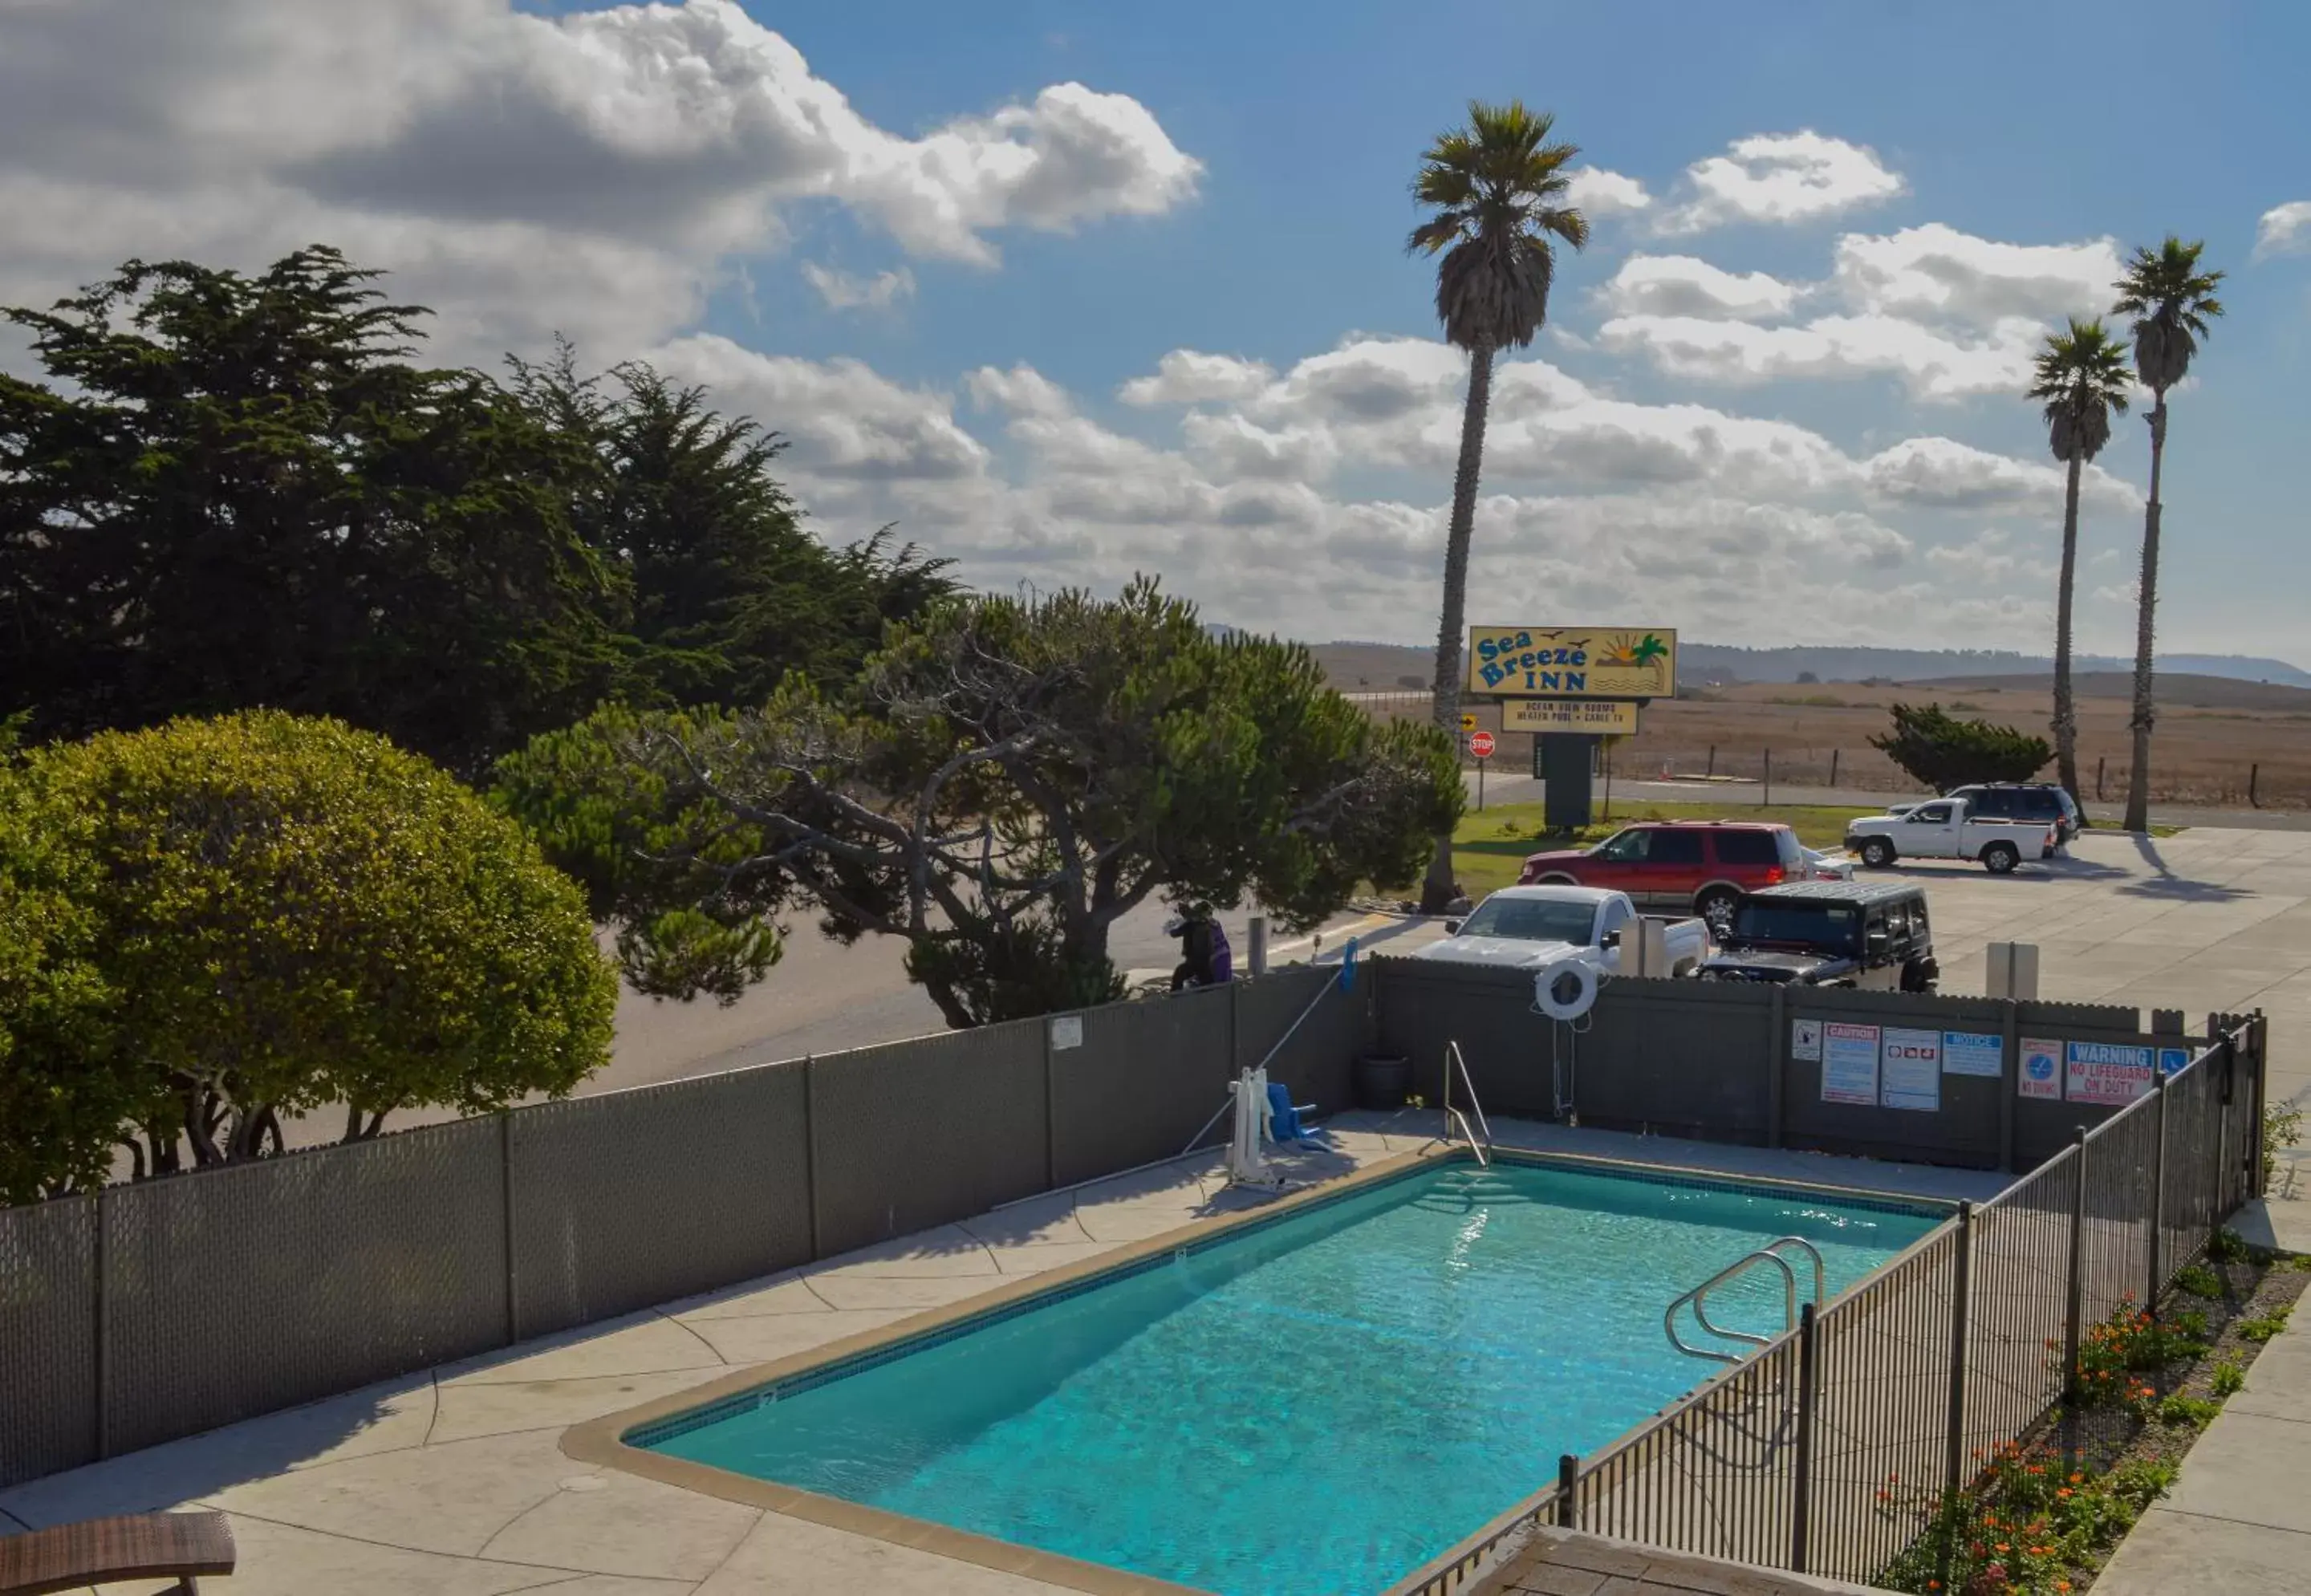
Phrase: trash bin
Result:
[1381,1080]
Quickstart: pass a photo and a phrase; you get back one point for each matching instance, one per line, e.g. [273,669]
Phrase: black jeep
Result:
[1829,934]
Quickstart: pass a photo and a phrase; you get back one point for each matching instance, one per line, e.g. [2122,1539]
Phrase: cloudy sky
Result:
[1079,291]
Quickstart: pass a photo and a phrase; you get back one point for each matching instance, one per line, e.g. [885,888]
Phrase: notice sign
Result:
[2173,1061]
[1805,1041]
[1969,1052]
[1849,1063]
[1595,717]
[2040,1074]
[2113,1072]
[1910,1069]
[1067,1032]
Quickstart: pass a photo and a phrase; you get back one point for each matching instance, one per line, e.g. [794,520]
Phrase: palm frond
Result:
[1495,189]
[2081,375]
[2171,302]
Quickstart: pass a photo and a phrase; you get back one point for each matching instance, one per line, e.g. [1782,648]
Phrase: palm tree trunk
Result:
[2138,779]
[2066,720]
[1451,623]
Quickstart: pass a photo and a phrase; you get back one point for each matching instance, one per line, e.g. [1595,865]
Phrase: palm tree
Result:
[2171,301]
[2083,376]
[1495,191]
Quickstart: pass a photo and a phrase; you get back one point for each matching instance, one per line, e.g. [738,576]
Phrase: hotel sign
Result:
[1593,717]
[1589,662]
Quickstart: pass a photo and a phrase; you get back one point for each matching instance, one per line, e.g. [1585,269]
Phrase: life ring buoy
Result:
[1566,989]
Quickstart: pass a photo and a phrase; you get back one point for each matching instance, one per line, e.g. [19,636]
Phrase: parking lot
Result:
[2213,920]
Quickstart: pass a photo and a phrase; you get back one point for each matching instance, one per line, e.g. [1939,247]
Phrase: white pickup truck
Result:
[1531,928]
[1948,828]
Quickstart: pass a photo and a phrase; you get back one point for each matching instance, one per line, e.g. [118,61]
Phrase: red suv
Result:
[1671,864]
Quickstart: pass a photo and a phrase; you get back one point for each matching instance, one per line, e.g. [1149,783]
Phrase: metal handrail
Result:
[1452,1057]
[1698,1297]
[1455,1116]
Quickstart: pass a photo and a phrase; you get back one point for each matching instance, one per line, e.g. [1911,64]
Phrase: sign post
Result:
[1481,744]
[1571,686]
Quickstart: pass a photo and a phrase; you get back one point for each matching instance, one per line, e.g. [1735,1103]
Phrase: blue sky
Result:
[934,267]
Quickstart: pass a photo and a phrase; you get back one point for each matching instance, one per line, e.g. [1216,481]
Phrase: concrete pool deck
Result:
[455,1479]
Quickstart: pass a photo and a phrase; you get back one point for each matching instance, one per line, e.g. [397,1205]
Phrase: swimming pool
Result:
[1313,1405]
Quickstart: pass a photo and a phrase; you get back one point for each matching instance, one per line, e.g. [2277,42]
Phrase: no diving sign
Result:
[1805,1041]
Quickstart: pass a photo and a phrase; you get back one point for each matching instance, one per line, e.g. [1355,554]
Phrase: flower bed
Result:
[2045,1512]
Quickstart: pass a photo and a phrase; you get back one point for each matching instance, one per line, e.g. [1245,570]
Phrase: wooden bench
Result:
[141,1546]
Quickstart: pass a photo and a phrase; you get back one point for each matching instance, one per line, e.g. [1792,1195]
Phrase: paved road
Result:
[1503,788]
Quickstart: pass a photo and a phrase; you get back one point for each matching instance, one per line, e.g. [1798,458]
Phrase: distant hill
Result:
[1385,667]
[2176,689]
[1695,661]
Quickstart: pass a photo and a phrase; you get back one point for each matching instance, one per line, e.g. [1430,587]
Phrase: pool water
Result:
[1313,1406]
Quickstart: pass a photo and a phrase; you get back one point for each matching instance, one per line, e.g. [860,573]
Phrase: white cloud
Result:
[1932,364]
[1596,192]
[1189,377]
[1947,314]
[2284,230]
[845,421]
[1314,502]
[590,171]
[1937,273]
[1681,285]
[843,292]
[1945,473]
[1781,178]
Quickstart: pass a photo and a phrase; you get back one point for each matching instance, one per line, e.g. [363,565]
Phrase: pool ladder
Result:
[1770,1253]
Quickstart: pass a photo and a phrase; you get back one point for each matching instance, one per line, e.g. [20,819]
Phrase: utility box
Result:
[2013,970]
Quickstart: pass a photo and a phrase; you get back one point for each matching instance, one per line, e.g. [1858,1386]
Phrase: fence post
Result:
[2218,1167]
[810,1144]
[1832,767]
[2253,773]
[2157,1189]
[1960,1295]
[2009,1085]
[1777,1059]
[1256,939]
[1052,1091]
[1569,1489]
[505,1213]
[1766,802]
[2073,1296]
[2258,1178]
[1712,762]
[103,1306]
[2098,764]
[1801,1475]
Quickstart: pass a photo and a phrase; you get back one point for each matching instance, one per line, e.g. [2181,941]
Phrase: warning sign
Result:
[2041,1071]
[2112,1072]
[1910,1069]
[1849,1063]
[1805,1041]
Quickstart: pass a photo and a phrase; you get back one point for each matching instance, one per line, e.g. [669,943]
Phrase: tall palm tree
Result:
[2171,301]
[1495,193]
[2082,377]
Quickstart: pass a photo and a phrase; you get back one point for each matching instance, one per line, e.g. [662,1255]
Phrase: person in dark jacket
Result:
[1207,961]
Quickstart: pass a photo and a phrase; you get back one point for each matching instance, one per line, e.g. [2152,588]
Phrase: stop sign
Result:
[1481,744]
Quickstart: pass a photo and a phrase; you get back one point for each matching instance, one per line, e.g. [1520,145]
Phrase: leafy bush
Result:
[2194,1411]
[2199,1280]
[2282,1128]
[1943,752]
[2227,1379]
[2024,1526]
[2265,1326]
[260,915]
[2228,1246]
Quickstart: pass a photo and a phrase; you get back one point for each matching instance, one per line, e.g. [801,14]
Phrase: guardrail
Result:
[1963,1342]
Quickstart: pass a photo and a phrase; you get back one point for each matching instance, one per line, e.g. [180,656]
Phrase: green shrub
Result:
[2265,1326]
[282,914]
[2199,1280]
[1943,752]
[2228,1378]
[2194,1411]
[2228,1246]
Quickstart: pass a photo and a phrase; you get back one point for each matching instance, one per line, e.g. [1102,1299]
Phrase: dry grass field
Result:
[2211,731]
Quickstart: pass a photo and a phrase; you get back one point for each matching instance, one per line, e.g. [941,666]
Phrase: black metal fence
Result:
[1826,1451]
[144,1312]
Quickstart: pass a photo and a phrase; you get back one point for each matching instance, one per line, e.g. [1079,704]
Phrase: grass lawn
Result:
[1488,848]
